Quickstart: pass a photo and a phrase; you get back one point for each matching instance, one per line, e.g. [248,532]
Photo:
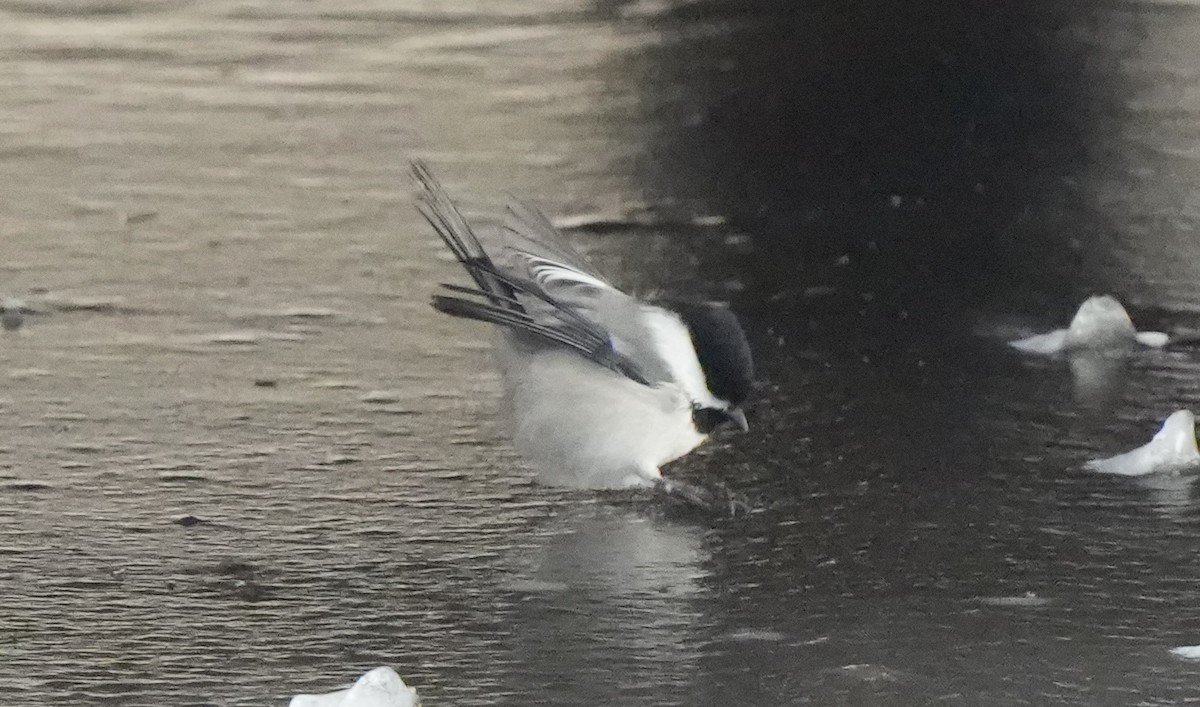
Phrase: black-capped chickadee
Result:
[602,389]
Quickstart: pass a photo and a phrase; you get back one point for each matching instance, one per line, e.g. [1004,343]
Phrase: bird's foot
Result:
[716,499]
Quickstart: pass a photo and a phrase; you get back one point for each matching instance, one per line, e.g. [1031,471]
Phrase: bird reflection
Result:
[1099,377]
[1170,493]
[610,600]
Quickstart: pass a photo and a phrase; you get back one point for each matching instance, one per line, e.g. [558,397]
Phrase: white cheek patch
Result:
[673,344]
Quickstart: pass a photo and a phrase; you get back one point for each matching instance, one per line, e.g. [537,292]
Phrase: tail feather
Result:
[448,222]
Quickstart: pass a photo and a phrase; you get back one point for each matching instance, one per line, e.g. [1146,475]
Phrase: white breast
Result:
[602,430]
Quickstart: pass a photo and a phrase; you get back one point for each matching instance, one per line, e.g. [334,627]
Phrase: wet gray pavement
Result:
[241,457]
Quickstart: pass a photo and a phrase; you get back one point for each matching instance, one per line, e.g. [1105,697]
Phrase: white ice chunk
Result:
[1172,448]
[1044,344]
[1152,339]
[1187,652]
[380,687]
[1101,323]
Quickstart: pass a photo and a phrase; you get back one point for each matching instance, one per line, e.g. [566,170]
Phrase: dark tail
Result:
[435,205]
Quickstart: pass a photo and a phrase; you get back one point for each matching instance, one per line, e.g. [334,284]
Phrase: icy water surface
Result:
[241,458]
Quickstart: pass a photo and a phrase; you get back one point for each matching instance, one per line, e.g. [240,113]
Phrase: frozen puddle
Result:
[1100,324]
[381,687]
[1173,448]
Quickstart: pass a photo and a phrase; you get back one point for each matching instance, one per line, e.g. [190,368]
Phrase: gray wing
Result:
[536,251]
[526,229]
[523,283]
[621,317]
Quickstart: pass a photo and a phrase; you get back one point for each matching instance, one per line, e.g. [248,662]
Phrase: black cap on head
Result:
[722,349]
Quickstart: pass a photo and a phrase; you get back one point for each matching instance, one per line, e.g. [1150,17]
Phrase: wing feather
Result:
[526,296]
[527,230]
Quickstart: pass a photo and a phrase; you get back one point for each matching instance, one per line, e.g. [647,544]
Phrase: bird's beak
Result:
[737,417]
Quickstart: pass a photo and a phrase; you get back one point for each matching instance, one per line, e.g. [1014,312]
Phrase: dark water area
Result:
[242,458]
[945,151]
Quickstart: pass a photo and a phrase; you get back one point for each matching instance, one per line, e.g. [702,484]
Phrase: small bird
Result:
[601,388]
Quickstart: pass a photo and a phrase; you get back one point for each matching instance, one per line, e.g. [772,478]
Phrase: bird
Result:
[601,389]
